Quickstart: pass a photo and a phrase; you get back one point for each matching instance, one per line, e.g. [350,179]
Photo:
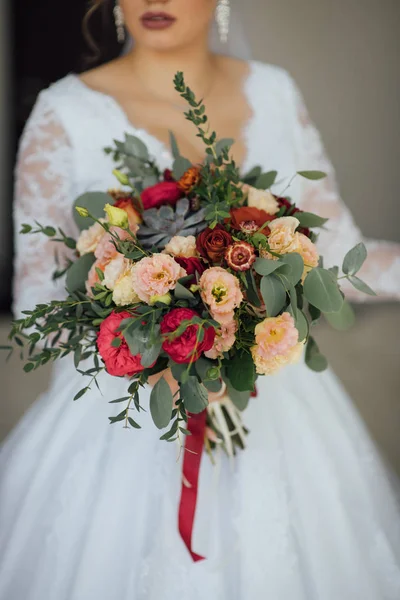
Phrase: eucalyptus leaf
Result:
[202,367]
[361,286]
[273,293]
[308,219]
[94,202]
[224,143]
[314,359]
[312,175]
[251,290]
[161,402]
[296,263]
[342,320]
[181,165]
[301,323]
[151,353]
[266,180]
[78,272]
[239,399]
[354,259]
[241,372]
[182,293]
[194,394]
[266,266]
[322,291]
[174,145]
[135,147]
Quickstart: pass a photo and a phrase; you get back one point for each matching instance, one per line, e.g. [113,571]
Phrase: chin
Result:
[165,41]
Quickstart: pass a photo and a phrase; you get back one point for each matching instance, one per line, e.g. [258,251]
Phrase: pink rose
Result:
[155,275]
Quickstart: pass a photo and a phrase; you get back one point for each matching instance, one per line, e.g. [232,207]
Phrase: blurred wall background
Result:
[345,56]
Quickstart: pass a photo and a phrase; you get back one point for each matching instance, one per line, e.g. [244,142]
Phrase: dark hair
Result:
[100,34]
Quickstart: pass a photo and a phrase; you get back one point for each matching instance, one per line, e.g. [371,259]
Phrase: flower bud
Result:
[122,178]
[117,216]
[83,212]
[165,299]
[213,373]
[194,288]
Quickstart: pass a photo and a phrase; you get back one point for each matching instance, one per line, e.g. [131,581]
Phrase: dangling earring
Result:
[222,15]
[119,22]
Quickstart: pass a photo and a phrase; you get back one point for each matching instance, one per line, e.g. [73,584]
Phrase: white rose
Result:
[263,200]
[124,293]
[115,269]
[89,238]
[181,246]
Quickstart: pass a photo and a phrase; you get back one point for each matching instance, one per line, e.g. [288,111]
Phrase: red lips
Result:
[157,20]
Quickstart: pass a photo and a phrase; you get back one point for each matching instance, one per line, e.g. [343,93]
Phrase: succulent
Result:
[161,224]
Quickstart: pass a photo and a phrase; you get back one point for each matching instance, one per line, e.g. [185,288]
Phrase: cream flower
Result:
[276,344]
[182,246]
[155,276]
[282,238]
[114,270]
[89,238]
[221,291]
[263,200]
[124,293]
[308,250]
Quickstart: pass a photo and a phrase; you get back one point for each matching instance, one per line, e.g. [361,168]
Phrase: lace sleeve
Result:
[43,194]
[382,268]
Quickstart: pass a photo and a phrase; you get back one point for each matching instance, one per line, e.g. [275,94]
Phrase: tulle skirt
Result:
[89,510]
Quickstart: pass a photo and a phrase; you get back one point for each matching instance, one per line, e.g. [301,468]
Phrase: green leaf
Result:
[224,143]
[181,165]
[315,314]
[301,323]
[135,147]
[251,290]
[94,202]
[194,395]
[239,399]
[314,359]
[133,423]
[361,286]
[49,231]
[241,372]
[266,180]
[308,219]
[354,259]
[297,267]
[29,367]
[202,366]
[81,393]
[116,342]
[177,370]
[174,145]
[321,290]
[182,293]
[161,402]
[78,272]
[273,293]
[312,175]
[124,399]
[151,353]
[265,266]
[342,320]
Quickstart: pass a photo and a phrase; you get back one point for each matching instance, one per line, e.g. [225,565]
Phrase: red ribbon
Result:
[191,467]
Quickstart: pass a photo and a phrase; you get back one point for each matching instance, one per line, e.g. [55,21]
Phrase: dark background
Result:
[48,42]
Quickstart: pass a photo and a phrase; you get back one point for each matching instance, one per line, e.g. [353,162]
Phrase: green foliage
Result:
[241,373]
[354,259]
[94,202]
[77,273]
[273,293]
[161,403]
[194,395]
[321,290]
[312,175]
[342,320]
[265,180]
[308,219]
[314,359]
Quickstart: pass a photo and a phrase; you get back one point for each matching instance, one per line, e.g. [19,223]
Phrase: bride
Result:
[89,510]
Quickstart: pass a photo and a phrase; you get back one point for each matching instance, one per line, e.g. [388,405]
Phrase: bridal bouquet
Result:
[194,269]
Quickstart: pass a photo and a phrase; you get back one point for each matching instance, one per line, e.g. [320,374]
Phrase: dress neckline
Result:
[129,126]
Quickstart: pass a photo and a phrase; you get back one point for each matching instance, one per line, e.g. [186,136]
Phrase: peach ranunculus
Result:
[277,344]
[308,250]
[283,238]
[89,238]
[224,340]
[155,275]
[264,200]
[183,246]
[221,291]
[106,250]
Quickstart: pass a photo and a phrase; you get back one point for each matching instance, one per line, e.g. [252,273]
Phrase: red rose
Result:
[191,265]
[250,219]
[212,243]
[166,192]
[185,348]
[119,361]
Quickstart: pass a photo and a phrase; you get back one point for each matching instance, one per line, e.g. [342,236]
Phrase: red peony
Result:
[165,192]
[184,348]
[212,243]
[119,361]
[250,219]
[191,265]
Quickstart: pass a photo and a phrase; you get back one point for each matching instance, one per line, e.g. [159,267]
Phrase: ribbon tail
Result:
[194,444]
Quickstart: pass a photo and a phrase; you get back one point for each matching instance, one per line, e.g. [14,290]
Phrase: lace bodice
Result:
[61,156]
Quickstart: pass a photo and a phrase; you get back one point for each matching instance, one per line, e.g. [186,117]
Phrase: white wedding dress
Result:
[89,510]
